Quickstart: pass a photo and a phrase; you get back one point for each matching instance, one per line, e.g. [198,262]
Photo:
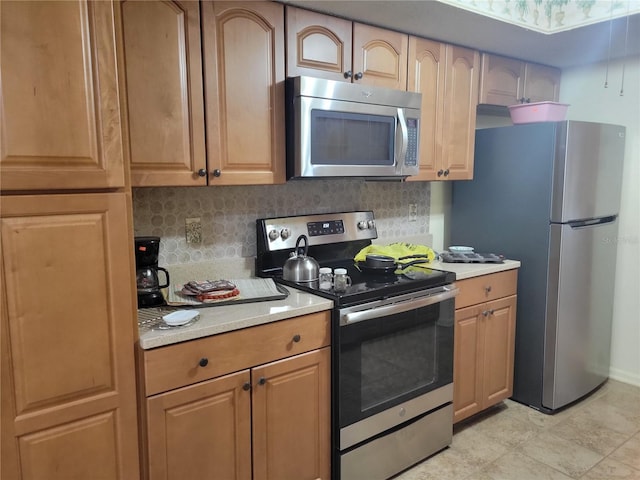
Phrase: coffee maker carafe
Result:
[147,281]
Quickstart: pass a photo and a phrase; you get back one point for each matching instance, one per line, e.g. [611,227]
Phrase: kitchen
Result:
[228,216]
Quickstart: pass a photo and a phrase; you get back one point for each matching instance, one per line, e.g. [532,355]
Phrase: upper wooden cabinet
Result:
[541,83]
[507,81]
[243,49]
[328,47]
[318,45]
[447,76]
[230,72]
[67,377]
[60,116]
[165,98]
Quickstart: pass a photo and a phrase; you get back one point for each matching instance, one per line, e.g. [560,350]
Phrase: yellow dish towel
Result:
[397,250]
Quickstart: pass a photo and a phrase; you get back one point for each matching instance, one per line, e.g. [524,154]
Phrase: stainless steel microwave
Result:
[339,129]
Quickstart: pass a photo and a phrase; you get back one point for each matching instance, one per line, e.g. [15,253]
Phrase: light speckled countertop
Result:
[469,270]
[224,318]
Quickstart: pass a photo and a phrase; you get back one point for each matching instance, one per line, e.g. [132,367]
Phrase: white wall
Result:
[583,88]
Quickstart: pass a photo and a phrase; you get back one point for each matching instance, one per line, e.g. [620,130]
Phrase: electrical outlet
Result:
[193,230]
[413,212]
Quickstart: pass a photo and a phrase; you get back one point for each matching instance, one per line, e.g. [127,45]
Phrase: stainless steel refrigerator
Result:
[548,194]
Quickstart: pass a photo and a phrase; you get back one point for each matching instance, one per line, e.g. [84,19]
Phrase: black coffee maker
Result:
[147,282]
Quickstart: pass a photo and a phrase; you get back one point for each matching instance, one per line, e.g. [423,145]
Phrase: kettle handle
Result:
[306,245]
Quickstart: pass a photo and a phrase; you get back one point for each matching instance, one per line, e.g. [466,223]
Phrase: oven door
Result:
[393,352]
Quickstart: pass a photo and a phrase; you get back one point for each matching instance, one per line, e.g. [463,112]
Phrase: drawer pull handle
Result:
[487,289]
[246,386]
[296,338]
[262,381]
[204,361]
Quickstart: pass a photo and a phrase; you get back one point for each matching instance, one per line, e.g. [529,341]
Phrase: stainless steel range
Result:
[392,345]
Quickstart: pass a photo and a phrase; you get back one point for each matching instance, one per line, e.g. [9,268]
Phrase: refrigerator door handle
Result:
[593,222]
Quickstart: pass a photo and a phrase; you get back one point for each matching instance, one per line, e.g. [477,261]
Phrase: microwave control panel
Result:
[411,157]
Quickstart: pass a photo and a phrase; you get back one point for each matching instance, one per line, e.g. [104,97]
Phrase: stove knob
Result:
[285,233]
[273,234]
[371,224]
[362,225]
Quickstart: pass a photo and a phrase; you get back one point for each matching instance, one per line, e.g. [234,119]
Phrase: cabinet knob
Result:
[358,76]
[262,381]
[487,289]
[440,172]
[485,313]
[446,172]
[246,386]
[204,361]
[217,172]
[348,74]
[296,338]
[202,172]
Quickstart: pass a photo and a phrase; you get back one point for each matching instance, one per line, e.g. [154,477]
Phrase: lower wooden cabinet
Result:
[484,342]
[201,431]
[291,417]
[67,383]
[265,421]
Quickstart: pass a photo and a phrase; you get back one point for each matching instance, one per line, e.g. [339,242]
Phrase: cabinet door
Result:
[499,332]
[380,56]
[427,71]
[60,114]
[541,83]
[468,351]
[243,48]
[201,431]
[291,418]
[459,122]
[501,80]
[67,378]
[318,45]
[165,98]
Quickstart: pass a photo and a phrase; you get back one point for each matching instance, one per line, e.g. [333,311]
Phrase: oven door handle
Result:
[399,307]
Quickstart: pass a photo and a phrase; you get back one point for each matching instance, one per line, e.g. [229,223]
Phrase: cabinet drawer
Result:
[186,363]
[486,287]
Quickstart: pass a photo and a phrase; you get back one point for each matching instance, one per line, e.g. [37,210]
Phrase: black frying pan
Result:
[384,264]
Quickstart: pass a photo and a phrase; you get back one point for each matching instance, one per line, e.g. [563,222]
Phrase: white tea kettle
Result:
[299,267]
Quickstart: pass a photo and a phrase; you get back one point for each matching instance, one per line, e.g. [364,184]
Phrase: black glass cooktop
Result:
[368,285]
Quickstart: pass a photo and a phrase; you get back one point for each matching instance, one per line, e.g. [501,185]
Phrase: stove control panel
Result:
[321,229]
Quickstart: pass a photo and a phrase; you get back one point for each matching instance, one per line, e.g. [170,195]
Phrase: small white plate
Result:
[460,249]
[180,317]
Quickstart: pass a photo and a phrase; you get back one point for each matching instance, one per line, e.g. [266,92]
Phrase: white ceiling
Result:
[440,21]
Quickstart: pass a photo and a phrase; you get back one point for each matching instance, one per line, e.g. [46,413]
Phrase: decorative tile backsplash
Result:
[228,214]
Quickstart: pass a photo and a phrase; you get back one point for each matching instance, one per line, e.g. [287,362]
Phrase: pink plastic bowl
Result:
[538,112]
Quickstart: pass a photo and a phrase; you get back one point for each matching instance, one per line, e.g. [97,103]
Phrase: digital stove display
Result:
[329,227]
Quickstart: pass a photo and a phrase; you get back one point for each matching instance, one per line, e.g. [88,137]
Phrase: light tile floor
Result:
[595,439]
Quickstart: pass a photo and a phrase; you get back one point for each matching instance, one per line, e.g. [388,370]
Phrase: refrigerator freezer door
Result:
[588,170]
[579,310]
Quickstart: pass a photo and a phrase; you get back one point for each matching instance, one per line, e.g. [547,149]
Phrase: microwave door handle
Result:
[403,137]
